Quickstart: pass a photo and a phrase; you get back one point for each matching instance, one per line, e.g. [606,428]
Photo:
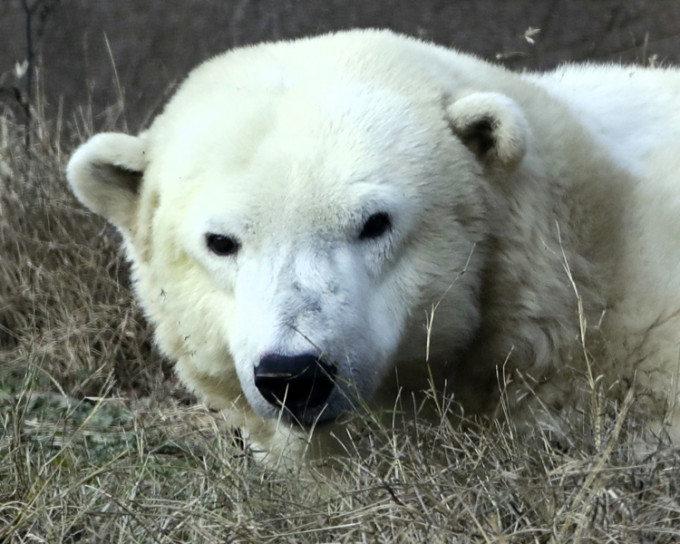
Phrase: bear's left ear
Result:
[106,172]
[492,126]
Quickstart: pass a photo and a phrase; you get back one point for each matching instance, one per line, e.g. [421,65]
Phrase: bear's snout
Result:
[300,383]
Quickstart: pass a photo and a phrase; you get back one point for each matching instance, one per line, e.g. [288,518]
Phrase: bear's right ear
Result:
[492,126]
[105,173]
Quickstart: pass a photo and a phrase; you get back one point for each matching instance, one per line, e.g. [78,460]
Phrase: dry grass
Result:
[99,444]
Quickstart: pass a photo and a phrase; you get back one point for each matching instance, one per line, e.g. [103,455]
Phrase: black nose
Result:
[299,382]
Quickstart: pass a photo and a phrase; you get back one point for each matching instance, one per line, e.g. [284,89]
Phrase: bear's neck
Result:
[551,260]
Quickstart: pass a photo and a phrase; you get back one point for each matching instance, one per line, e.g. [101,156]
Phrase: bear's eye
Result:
[221,245]
[375,226]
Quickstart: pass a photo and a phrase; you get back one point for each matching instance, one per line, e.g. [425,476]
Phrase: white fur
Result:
[510,197]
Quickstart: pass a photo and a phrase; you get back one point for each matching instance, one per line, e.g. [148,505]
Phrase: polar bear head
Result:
[306,219]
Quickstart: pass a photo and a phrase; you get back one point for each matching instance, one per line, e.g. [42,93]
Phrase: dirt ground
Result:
[153,43]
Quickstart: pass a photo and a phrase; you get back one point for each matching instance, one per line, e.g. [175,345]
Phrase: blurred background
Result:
[114,62]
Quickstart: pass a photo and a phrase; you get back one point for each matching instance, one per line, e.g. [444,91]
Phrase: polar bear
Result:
[322,225]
